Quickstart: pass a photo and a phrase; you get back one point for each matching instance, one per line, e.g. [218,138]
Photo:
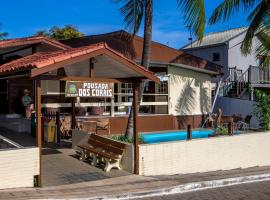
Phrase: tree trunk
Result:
[146,56]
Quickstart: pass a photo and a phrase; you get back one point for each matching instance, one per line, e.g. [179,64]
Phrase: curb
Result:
[184,188]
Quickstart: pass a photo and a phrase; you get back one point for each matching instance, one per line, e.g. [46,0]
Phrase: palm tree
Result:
[134,11]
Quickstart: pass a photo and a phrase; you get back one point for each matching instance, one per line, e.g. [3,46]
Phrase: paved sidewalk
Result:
[249,191]
[124,185]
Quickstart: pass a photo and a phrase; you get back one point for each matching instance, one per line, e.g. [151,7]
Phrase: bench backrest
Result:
[106,144]
[97,144]
[109,142]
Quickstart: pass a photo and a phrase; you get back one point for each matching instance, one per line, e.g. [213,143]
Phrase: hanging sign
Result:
[88,89]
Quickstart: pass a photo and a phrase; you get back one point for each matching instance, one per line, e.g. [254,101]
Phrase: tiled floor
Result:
[61,166]
[59,163]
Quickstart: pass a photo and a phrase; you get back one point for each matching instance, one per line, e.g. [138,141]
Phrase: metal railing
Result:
[253,75]
[259,75]
[6,143]
[226,85]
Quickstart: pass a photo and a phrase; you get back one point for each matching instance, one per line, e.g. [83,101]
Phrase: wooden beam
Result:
[80,78]
[34,49]
[61,72]
[39,129]
[64,63]
[73,114]
[104,51]
[136,87]
[20,76]
[19,49]
[132,65]
[91,67]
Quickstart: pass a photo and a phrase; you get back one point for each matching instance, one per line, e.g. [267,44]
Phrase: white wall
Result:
[203,155]
[231,55]
[207,53]
[231,106]
[18,167]
[235,56]
[189,92]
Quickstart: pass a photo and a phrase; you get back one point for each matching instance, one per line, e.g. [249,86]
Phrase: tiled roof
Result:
[43,59]
[217,38]
[31,40]
[120,41]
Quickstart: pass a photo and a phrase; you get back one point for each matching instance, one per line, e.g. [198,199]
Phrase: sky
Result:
[22,18]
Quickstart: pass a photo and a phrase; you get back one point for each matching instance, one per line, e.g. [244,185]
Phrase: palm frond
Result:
[229,7]
[132,11]
[263,50]
[258,19]
[194,15]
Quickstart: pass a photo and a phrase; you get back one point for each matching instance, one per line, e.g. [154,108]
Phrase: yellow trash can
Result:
[50,131]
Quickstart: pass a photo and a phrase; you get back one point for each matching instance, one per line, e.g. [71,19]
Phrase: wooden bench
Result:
[102,149]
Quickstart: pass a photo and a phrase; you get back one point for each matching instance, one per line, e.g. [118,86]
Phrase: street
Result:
[249,191]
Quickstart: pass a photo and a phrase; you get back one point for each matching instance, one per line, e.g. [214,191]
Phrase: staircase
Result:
[235,86]
[236,91]
[238,82]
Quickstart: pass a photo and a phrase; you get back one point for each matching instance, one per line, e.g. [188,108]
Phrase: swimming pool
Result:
[175,135]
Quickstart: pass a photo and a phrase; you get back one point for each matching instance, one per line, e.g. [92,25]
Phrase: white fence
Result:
[18,167]
[203,155]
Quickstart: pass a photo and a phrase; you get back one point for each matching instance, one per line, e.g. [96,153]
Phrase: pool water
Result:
[175,135]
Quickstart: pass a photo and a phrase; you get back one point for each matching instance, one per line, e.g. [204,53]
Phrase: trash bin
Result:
[50,131]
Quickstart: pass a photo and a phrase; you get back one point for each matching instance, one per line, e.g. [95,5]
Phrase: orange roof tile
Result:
[32,40]
[43,59]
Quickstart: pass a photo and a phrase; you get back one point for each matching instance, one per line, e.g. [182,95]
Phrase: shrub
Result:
[222,131]
[122,138]
[262,108]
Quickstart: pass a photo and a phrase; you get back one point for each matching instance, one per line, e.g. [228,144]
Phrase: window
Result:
[216,57]
[50,87]
[163,87]
[126,89]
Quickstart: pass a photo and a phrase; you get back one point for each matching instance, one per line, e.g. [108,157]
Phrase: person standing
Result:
[27,103]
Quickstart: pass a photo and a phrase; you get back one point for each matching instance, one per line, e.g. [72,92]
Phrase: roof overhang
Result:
[110,64]
[196,69]
[31,41]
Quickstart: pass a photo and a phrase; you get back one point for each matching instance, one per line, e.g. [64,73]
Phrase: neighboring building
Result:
[183,97]
[239,71]
[224,48]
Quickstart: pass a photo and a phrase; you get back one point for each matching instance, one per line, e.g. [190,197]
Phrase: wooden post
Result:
[91,67]
[112,106]
[189,132]
[135,126]
[58,131]
[73,114]
[39,129]
[230,128]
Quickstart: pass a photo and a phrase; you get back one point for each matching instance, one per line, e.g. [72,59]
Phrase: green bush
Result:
[222,131]
[122,138]
[262,108]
